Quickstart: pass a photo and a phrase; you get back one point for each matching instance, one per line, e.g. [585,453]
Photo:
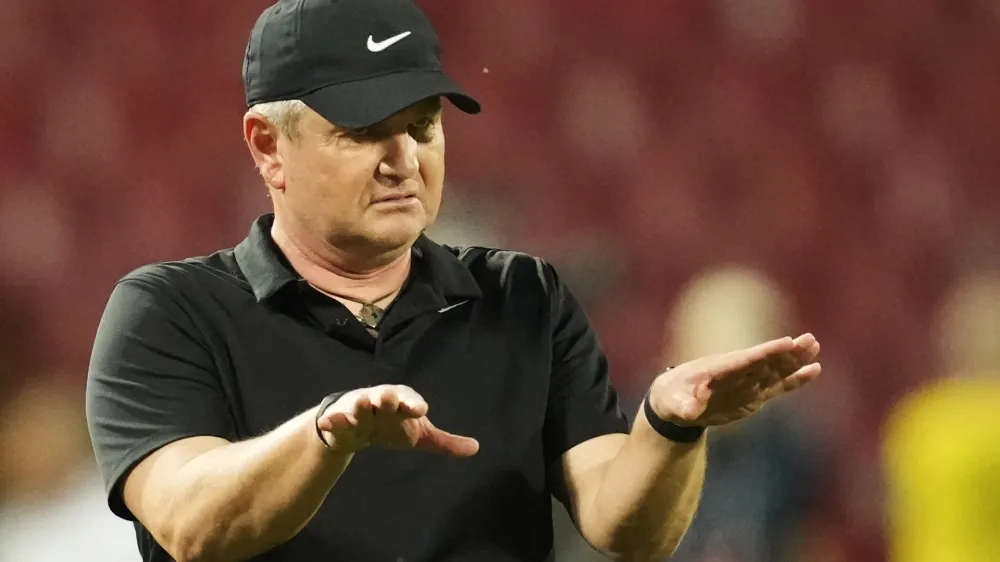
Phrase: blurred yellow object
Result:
[942,457]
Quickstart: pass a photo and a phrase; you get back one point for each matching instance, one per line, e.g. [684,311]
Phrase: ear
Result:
[262,140]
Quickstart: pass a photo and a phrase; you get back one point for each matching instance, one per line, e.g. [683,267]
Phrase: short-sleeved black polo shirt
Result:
[236,343]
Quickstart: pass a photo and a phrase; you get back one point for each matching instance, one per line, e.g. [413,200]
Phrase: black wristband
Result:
[323,405]
[673,432]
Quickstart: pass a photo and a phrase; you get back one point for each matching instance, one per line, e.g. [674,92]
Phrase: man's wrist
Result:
[670,430]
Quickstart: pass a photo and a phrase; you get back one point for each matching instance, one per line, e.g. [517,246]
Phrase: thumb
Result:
[690,405]
[439,441]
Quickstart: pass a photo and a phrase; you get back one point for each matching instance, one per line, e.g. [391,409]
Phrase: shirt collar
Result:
[269,273]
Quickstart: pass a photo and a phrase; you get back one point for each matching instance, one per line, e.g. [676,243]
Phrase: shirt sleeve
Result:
[582,403]
[151,381]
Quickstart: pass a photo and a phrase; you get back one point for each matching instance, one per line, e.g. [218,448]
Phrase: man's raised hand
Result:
[725,387]
[393,416]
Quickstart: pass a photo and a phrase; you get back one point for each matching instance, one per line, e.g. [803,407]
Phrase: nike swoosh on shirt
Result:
[447,308]
[379,46]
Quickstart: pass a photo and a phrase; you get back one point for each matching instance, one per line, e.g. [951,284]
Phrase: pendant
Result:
[370,315]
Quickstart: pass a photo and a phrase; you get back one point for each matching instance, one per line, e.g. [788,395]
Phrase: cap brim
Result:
[363,103]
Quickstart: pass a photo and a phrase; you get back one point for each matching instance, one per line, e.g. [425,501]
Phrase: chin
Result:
[397,235]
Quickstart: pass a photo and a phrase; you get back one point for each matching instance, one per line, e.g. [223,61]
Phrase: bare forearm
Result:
[239,500]
[648,495]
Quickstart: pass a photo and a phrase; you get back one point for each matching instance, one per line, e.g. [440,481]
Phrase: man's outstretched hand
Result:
[389,415]
[726,387]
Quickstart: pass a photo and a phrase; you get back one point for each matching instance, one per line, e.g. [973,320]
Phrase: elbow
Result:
[639,551]
[223,539]
[634,544]
[192,531]
[199,550]
[185,547]
[193,543]
[188,555]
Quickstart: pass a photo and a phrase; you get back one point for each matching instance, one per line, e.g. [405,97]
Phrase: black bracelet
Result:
[326,403]
[672,431]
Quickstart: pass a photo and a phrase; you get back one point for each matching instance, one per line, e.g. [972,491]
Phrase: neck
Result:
[335,271]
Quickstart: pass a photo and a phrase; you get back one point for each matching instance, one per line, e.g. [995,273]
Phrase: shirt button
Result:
[341,322]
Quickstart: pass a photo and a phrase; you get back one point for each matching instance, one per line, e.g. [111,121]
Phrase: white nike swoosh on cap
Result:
[447,308]
[378,46]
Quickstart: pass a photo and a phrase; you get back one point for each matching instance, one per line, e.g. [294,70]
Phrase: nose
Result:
[400,161]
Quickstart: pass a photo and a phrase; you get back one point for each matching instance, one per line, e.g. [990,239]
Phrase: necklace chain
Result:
[370,314]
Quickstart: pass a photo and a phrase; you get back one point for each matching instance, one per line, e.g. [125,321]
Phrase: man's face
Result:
[376,189]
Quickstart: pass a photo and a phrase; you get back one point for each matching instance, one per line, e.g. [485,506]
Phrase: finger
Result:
[363,408]
[448,443]
[782,366]
[332,421]
[387,401]
[734,377]
[809,355]
[805,340]
[684,405]
[441,441]
[756,382]
[764,379]
[340,411]
[416,410]
[411,403]
[806,348]
[768,349]
[805,352]
[695,406]
[736,361]
[800,378]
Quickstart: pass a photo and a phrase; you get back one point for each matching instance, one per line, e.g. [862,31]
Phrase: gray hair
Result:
[284,114]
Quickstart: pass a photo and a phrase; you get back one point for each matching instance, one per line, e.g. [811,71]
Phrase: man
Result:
[49,485]
[942,485]
[764,473]
[252,404]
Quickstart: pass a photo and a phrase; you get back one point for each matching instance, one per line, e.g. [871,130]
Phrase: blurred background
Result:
[706,175]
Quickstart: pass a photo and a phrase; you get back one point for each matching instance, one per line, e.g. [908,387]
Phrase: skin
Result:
[330,186]
[632,495]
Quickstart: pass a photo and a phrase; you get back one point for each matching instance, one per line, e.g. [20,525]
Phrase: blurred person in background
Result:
[942,441]
[52,505]
[763,472]
[205,395]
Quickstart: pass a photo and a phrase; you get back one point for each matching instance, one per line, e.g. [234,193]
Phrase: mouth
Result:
[395,200]
[394,197]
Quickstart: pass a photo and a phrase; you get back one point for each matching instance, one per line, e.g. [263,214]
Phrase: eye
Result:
[423,130]
[362,135]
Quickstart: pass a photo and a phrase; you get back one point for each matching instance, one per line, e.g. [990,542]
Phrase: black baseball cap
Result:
[355,62]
